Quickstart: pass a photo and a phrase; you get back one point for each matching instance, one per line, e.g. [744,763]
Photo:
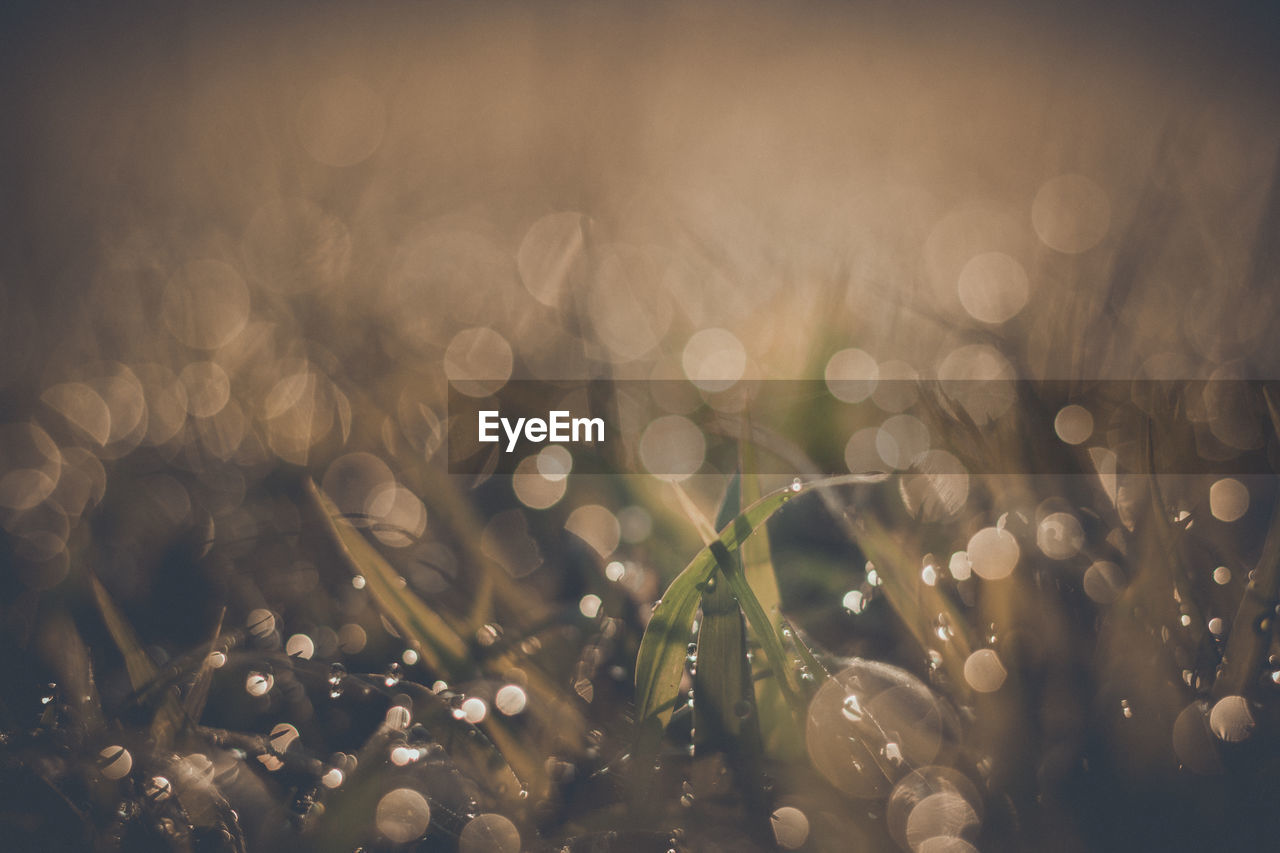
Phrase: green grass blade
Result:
[760,626]
[440,645]
[660,662]
[725,682]
[810,660]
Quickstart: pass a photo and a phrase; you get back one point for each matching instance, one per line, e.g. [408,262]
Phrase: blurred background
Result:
[249,246]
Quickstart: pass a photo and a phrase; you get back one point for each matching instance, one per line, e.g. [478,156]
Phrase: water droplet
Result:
[115,762]
[398,717]
[337,677]
[1126,709]
[489,833]
[743,708]
[392,676]
[790,827]
[259,683]
[1231,719]
[261,623]
[282,737]
[402,815]
[358,581]
[157,788]
[796,485]
[853,601]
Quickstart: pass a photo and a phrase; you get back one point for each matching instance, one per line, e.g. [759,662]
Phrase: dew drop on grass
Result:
[393,674]
[918,786]
[300,646]
[114,762]
[590,605]
[261,623]
[790,827]
[402,815]
[960,567]
[1059,536]
[510,700]
[282,737]
[398,717]
[1228,499]
[1073,424]
[1231,720]
[474,710]
[984,671]
[993,553]
[259,683]
[157,789]
[849,718]
[489,833]
[945,814]
[337,679]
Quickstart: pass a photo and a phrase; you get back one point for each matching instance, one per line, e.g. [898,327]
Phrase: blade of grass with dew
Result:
[198,696]
[439,643]
[915,602]
[660,661]
[723,683]
[725,716]
[780,738]
[58,641]
[142,672]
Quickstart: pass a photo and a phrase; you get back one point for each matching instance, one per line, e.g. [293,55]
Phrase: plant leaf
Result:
[439,644]
[725,682]
[140,668]
[660,661]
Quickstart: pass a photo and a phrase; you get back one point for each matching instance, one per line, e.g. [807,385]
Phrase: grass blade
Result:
[139,667]
[725,682]
[439,644]
[660,662]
